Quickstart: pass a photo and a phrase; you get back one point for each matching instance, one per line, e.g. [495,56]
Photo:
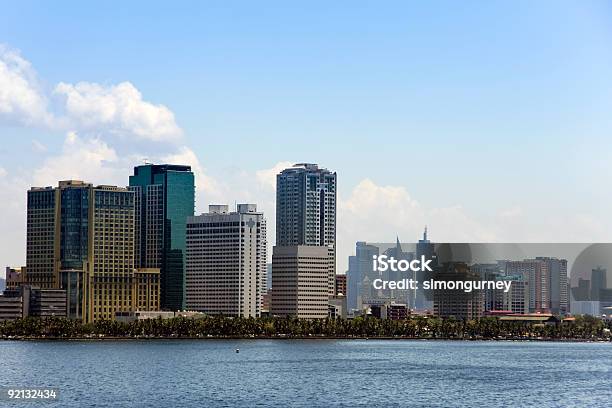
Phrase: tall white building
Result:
[226,261]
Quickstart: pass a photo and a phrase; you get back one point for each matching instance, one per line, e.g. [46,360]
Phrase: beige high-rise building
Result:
[300,281]
[226,261]
[536,273]
[80,238]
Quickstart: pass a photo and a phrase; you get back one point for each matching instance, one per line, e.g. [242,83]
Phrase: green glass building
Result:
[164,197]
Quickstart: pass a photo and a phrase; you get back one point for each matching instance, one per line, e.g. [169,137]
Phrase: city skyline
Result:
[436,146]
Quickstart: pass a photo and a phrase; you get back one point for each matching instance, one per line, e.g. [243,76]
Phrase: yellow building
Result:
[86,245]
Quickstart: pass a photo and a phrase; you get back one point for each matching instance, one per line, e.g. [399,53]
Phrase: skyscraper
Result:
[423,299]
[164,197]
[80,238]
[536,273]
[598,282]
[226,261]
[306,211]
[557,283]
[360,276]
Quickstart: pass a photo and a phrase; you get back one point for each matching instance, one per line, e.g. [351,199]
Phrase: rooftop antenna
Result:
[425,234]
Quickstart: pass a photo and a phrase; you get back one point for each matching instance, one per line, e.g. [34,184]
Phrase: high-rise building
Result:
[457,303]
[557,284]
[360,276]
[164,198]
[306,211]
[41,230]
[80,238]
[536,273]
[598,282]
[226,261]
[423,299]
[300,281]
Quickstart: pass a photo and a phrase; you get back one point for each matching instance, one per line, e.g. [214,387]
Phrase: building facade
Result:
[15,277]
[164,197]
[306,211]
[85,246]
[457,303]
[226,261]
[300,281]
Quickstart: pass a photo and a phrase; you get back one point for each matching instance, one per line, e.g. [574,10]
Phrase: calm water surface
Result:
[311,373]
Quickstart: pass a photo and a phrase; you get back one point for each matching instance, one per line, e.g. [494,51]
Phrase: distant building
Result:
[457,303]
[164,197]
[389,310]
[15,277]
[557,284]
[266,302]
[598,282]
[536,273]
[341,285]
[337,307]
[586,307]
[489,272]
[516,299]
[268,277]
[300,277]
[226,261]
[422,298]
[306,211]
[582,292]
[360,275]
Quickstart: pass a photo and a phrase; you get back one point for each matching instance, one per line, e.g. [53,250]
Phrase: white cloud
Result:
[267,177]
[86,107]
[38,146]
[21,99]
[3,172]
[90,160]
[119,109]
[377,213]
[208,189]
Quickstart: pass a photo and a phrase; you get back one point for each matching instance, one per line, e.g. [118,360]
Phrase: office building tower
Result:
[457,303]
[423,299]
[88,238]
[164,198]
[41,230]
[582,292]
[360,276]
[598,282]
[226,261]
[536,273]
[306,211]
[489,272]
[300,281]
[557,284]
[516,299]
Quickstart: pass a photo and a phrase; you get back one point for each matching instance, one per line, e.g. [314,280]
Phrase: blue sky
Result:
[476,110]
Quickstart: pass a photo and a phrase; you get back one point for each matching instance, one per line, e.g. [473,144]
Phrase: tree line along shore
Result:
[583,328]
